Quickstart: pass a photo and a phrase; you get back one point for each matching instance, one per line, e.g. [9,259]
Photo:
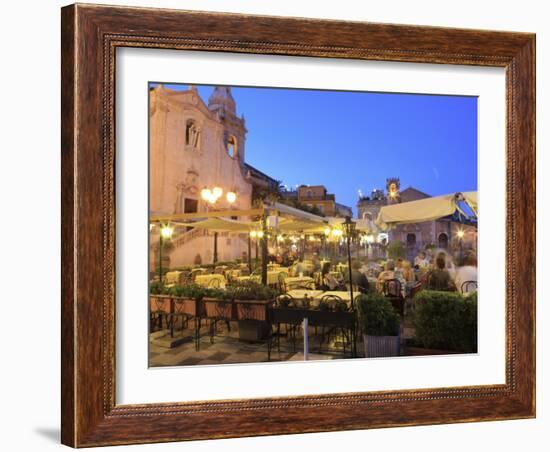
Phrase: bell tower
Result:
[221,103]
[393,186]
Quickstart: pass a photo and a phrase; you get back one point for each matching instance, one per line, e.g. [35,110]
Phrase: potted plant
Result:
[380,324]
[252,301]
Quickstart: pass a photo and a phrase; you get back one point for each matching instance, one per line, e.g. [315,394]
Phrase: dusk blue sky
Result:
[350,141]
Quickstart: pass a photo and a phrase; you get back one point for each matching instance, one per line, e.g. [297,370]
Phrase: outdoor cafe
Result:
[311,285]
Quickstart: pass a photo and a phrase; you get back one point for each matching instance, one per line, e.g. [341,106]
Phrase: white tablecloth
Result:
[207,281]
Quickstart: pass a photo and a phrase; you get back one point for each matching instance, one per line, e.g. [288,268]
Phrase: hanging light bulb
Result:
[253,234]
[205,194]
[213,198]
[166,231]
[260,234]
[217,191]
[231,197]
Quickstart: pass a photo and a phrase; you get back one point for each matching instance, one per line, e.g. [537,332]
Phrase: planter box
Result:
[188,306]
[253,330]
[252,316]
[381,346]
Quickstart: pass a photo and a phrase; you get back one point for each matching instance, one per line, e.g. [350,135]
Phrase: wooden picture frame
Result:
[90,36]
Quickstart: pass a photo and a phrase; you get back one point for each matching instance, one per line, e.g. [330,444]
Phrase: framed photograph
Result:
[282,225]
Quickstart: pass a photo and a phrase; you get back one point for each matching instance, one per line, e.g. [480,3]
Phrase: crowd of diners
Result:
[432,269]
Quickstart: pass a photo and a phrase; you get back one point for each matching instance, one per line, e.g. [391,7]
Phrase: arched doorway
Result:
[411,246]
[443,241]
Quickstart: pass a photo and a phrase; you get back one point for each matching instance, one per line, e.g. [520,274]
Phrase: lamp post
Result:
[166,232]
[349,228]
[460,235]
[212,196]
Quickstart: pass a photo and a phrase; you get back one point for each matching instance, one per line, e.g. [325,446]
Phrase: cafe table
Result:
[213,280]
[303,294]
[344,295]
[272,277]
[295,281]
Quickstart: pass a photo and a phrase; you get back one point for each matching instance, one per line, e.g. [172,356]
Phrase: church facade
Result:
[441,234]
[193,146]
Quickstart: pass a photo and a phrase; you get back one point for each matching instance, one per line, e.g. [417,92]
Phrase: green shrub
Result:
[251,290]
[446,320]
[396,250]
[377,316]
[157,288]
[188,291]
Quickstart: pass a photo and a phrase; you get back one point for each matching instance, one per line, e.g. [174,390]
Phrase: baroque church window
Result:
[192,134]
[231,145]
[367,216]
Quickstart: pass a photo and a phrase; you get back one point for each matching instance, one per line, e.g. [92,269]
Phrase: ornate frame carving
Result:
[90,37]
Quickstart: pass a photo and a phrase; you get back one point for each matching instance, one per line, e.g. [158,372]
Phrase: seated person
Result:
[468,272]
[440,279]
[358,278]
[299,269]
[388,273]
[407,272]
[328,281]
[421,260]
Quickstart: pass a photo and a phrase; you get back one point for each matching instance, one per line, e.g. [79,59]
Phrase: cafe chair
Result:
[392,290]
[285,312]
[338,317]
[468,286]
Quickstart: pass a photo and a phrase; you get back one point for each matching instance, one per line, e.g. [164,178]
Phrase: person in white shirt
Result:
[468,272]
[421,259]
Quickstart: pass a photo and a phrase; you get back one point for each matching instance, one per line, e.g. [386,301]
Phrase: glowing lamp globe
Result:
[217,191]
[166,232]
[231,197]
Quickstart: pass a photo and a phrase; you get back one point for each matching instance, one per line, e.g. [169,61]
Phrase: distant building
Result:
[440,233]
[261,182]
[318,197]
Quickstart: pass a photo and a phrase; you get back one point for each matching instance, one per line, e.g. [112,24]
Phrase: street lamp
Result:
[165,233]
[349,228]
[211,196]
[460,235]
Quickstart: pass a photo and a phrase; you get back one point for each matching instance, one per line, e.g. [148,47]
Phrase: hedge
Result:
[446,320]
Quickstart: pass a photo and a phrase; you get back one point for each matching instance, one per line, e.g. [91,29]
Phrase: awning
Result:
[428,209]
[222,225]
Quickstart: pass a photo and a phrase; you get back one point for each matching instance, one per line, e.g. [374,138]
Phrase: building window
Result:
[367,216]
[309,193]
[443,240]
[192,134]
[411,240]
[231,144]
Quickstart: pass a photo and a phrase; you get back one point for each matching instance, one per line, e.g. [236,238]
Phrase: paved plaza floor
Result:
[226,347]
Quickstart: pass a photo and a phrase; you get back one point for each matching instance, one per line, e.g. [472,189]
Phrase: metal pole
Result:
[249,255]
[160,257]
[349,269]
[264,251]
[215,247]
[306,339]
